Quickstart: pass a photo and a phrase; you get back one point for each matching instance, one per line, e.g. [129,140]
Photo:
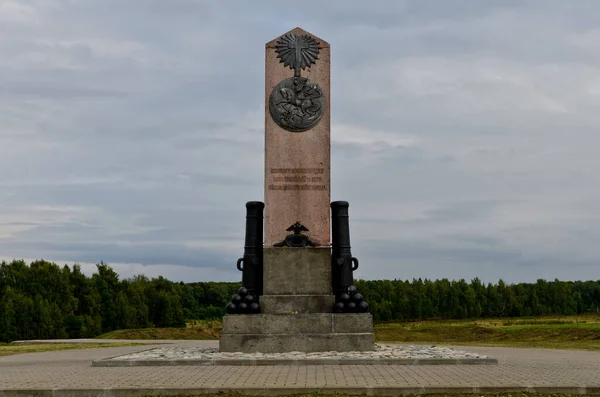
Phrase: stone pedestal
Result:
[309,332]
[297,308]
[297,271]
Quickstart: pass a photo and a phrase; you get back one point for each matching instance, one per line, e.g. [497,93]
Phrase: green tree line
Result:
[43,300]
[396,300]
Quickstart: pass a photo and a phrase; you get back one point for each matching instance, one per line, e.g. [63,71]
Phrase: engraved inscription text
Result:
[297,179]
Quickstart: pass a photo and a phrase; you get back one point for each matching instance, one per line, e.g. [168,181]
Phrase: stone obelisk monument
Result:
[297,292]
[297,136]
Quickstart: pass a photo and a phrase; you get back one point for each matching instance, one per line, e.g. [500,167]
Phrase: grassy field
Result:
[7,350]
[572,332]
[576,332]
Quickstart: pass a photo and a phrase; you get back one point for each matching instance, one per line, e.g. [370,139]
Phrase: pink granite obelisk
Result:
[297,136]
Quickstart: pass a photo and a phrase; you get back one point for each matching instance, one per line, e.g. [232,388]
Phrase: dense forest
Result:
[43,300]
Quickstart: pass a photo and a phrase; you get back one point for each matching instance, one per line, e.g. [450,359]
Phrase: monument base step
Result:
[313,332]
[313,323]
[281,343]
[296,304]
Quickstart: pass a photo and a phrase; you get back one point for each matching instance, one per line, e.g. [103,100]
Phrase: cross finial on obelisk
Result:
[297,51]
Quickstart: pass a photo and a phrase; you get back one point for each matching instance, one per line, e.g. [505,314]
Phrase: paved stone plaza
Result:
[63,372]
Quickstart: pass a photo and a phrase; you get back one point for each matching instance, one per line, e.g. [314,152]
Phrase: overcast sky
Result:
[464,134]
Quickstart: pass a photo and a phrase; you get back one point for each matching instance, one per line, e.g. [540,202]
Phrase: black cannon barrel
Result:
[342,262]
[251,264]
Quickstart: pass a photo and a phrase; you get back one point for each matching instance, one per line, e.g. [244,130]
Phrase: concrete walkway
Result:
[69,373]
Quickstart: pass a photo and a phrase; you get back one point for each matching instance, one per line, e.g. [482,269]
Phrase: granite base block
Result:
[297,271]
[278,343]
[301,323]
[295,304]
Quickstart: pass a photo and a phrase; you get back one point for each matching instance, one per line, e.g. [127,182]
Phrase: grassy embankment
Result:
[195,330]
[558,332]
[8,349]
[573,332]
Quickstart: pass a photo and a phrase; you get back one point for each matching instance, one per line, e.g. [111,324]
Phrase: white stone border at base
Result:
[383,355]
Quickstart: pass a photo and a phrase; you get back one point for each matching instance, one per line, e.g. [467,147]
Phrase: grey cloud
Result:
[432,252]
[55,91]
[464,133]
[462,210]
[154,254]
[486,241]
[489,262]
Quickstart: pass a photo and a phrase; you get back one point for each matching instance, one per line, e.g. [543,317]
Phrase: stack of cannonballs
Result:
[350,301]
[243,303]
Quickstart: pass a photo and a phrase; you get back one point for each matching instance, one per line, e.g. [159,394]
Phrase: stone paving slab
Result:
[375,391]
[382,355]
[70,373]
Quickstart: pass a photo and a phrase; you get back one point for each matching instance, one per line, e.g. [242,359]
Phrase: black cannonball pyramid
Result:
[231,308]
[352,290]
[351,306]
[338,307]
[254,307]
[343,297]
[357,298]
[243,307]
[237,299]
[250,299]
[363,307]
[243,291]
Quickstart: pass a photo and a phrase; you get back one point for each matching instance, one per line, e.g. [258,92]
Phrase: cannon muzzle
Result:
[342,262]
[251,264]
